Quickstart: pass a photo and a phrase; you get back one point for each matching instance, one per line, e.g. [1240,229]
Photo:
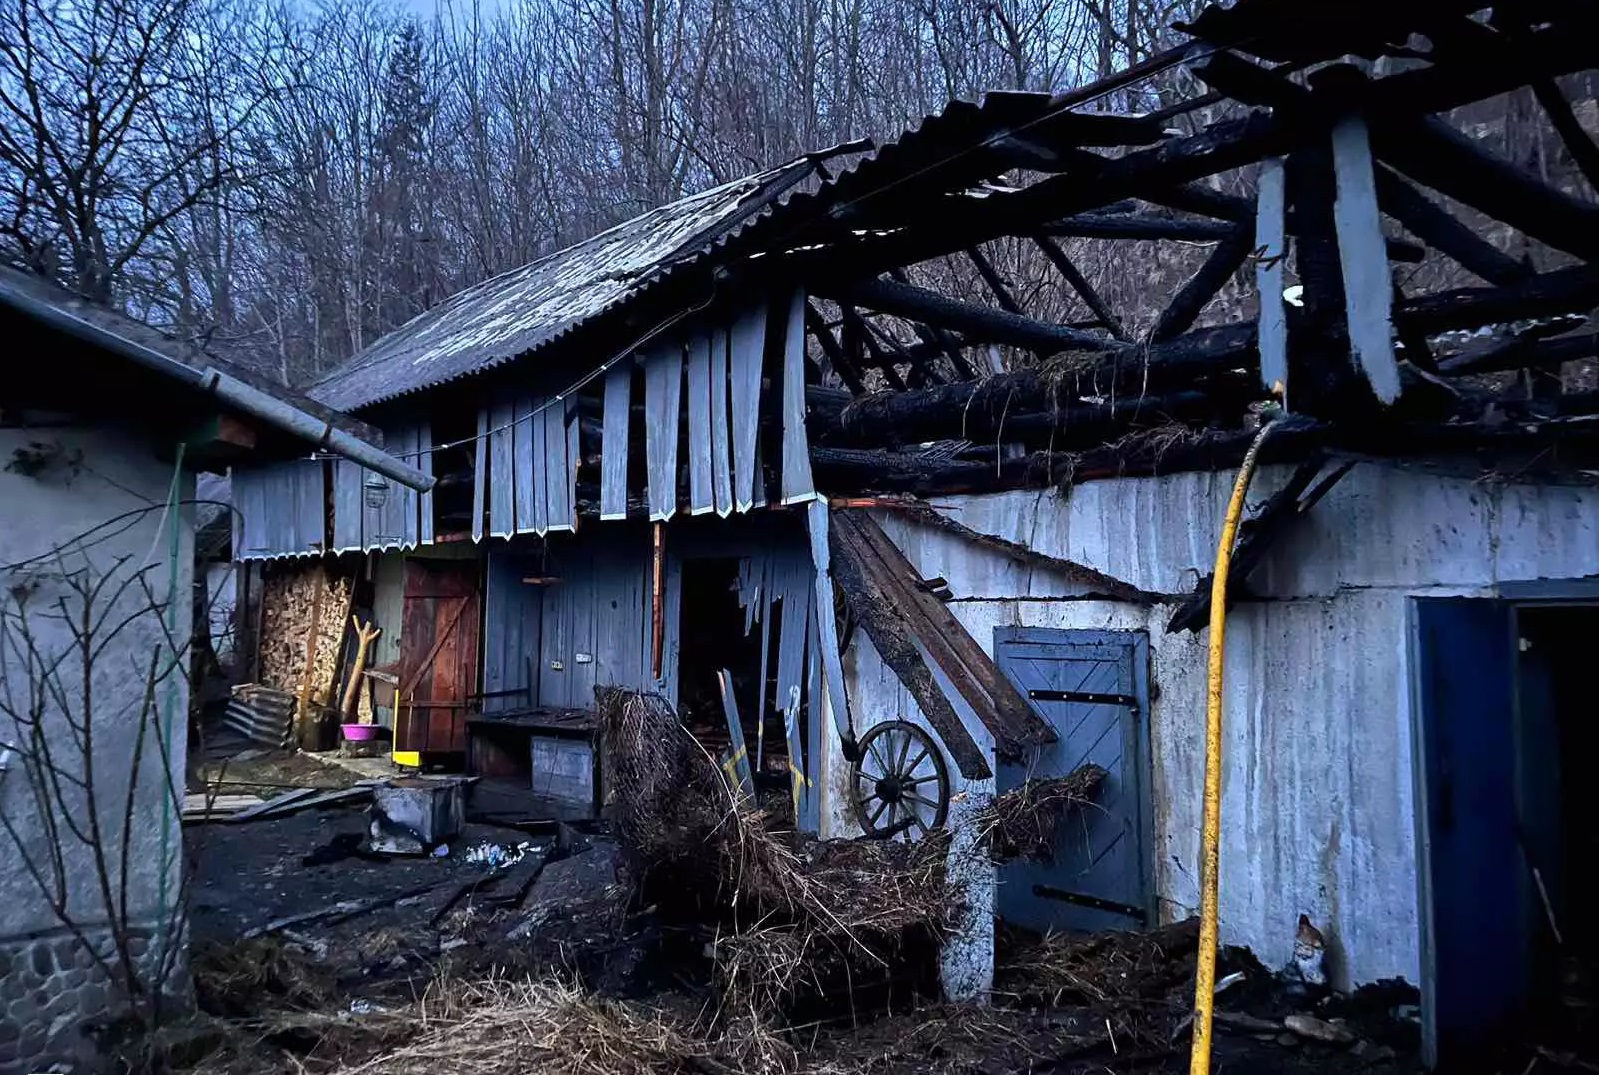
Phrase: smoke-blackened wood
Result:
[1257,534]
[1186,306]
[1433,153]
[1101,225]
[1079,283]
[867,351]
[937,341]
[1570,290]
[1579,143]
[991,277]
[1521,353]
[1433,225]
[816,325]
[952,410]
[977,322]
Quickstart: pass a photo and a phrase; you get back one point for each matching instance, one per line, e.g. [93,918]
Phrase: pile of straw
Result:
[794,917]
[1022,822]
[1112,967]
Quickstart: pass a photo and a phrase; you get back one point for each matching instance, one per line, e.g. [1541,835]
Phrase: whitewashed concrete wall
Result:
[50,531]
[1318,805]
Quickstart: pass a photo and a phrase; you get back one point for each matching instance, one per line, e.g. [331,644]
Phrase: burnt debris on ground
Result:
[698,934]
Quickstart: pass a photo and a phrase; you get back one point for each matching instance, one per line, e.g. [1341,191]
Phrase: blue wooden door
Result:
[1474,974]
[1093,688]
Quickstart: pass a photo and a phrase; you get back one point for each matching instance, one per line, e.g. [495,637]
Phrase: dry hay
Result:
[794,917]
[263,972]
[1113,967]
[503,1026]
[1022,822]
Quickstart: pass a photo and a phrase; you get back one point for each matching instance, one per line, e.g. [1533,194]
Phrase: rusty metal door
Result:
[1093,688]
[438,655]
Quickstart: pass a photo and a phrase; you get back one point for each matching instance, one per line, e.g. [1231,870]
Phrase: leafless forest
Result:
[295,179]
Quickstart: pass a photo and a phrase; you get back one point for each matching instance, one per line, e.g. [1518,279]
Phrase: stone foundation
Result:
[51,991]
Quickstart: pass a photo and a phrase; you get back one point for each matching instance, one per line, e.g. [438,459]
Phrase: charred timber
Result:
[1437,155]
[949,410]
[1138,226]
[1570,290]
[976,322]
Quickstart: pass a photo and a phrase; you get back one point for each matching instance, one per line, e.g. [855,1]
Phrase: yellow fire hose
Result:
[1210,856]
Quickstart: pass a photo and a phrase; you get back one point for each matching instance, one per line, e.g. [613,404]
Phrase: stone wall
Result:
[54,994]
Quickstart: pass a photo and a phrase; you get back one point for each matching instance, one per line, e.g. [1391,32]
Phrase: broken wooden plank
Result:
[1363,256]
[1271,256]
[797,484]
[701,499]
[613,446]
[1012,721]
[424,504]
[663,390]
[816,519]
[502,470]
[746,357]
[721,474]
[737,765]
[480,475]
[525,461]
[573,460]
[878,611]
[554,465]
[277,803]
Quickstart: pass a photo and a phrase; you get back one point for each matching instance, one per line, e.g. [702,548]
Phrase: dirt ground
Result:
[325,993]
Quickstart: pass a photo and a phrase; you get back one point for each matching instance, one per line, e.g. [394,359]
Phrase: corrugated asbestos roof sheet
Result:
[523,310]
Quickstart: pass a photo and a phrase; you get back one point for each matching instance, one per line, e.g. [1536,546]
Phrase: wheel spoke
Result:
[904,752]
[871,748]
[871,821]
[913,781]
[929,803]
[911,768]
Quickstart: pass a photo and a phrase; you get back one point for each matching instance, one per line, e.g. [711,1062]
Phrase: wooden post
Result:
[365,636]
[658,601]
[303,712]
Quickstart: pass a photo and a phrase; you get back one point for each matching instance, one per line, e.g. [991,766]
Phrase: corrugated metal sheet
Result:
[1318,804]
[524,309]
[521,311]
[278,510]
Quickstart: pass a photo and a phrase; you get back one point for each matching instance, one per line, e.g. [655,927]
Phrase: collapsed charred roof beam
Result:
[1186,306]
[1102,225]
[816,324]
[1433,153]
[977,322]
[1434,226]
[1085,291]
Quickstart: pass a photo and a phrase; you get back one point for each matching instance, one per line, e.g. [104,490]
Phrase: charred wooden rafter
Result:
[1434,226]
[816,325]
[1191,300]
[978,323]
[1579,143]
[1085,291]
[1100,225]
[1433,153]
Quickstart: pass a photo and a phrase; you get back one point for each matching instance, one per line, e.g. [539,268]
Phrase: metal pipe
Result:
[225,387]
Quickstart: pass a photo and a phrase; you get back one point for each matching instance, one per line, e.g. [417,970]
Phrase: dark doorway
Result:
[1559,818]
[1093,688]
[1504,726]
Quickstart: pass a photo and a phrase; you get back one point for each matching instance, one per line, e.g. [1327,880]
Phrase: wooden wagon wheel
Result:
[900,782]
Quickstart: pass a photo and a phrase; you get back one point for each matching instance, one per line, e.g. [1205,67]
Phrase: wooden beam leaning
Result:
[1579,143]
[1014,724]
[874,608]
[1191,300]
[1433,225]
[976,322]
[1079,283]
[1435,154]
[816,325]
